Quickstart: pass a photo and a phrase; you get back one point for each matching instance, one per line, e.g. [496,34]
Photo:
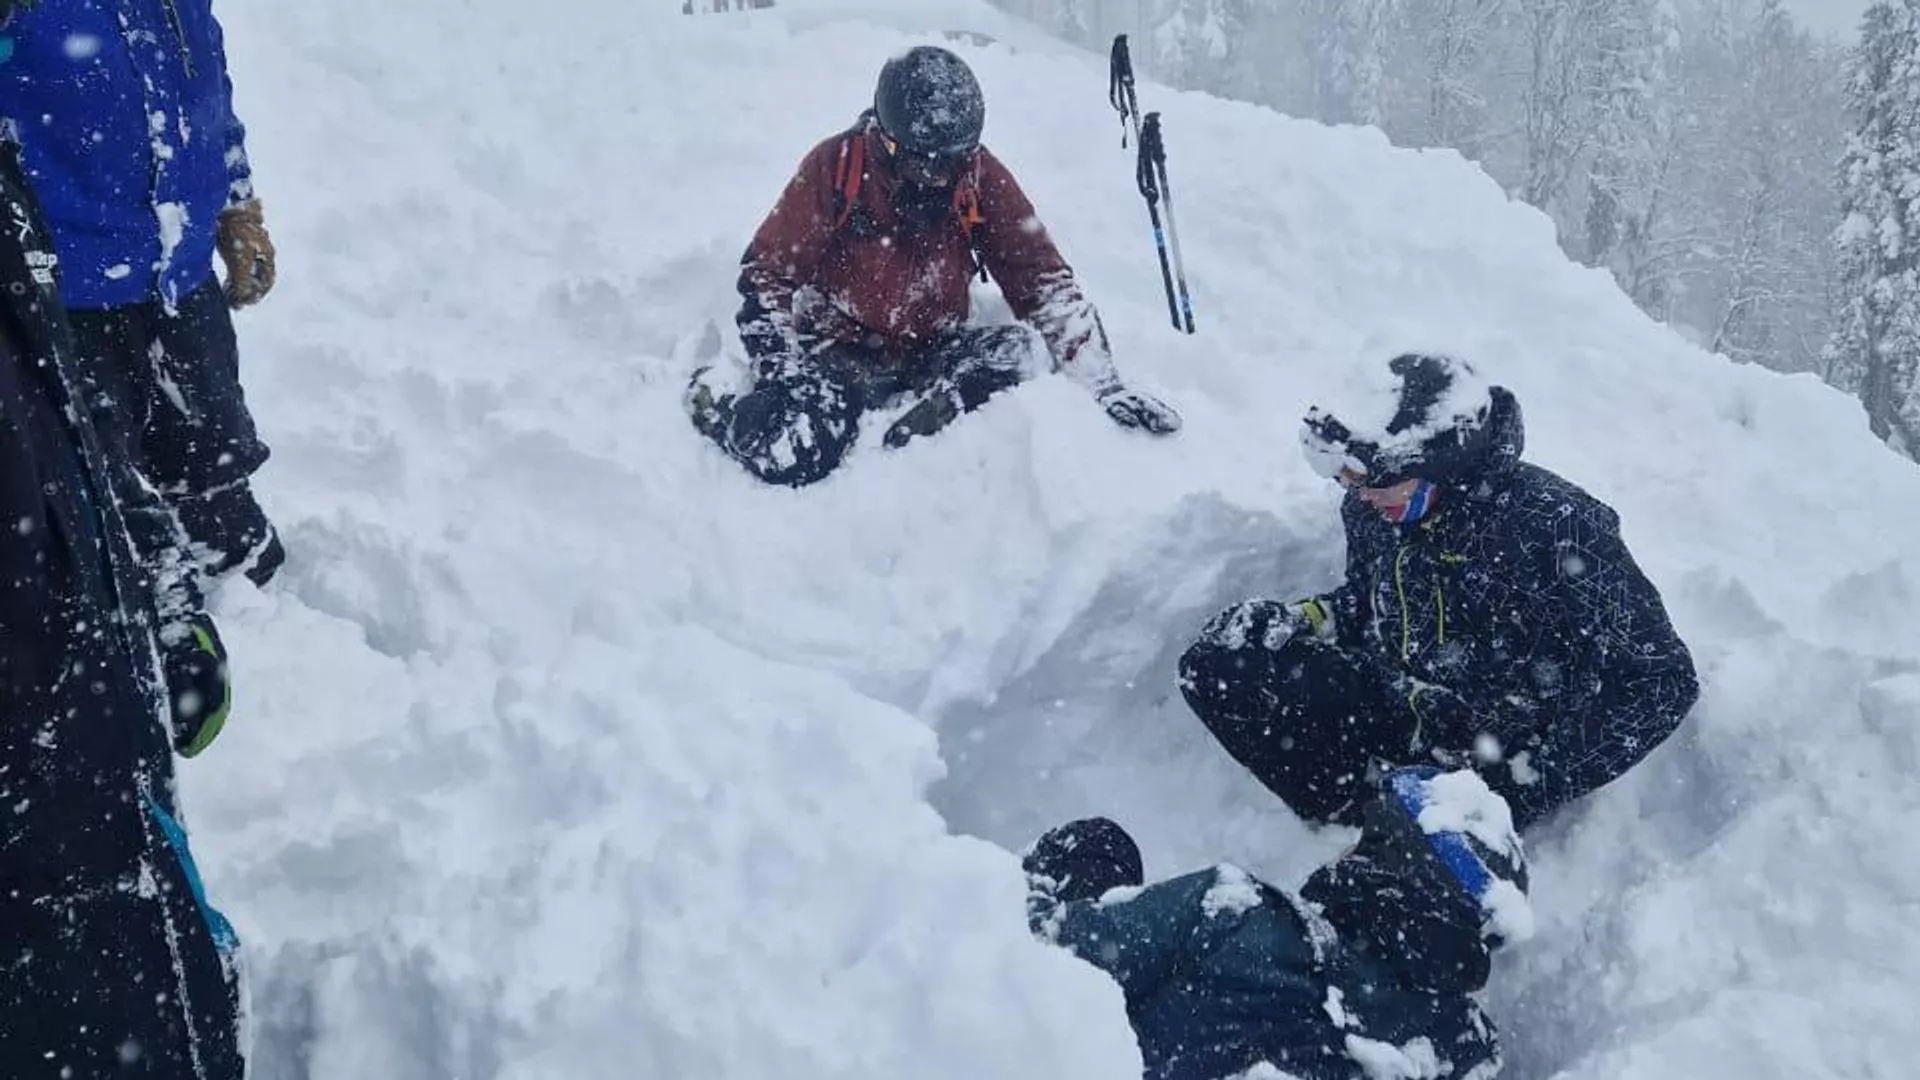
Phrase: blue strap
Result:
[224,936]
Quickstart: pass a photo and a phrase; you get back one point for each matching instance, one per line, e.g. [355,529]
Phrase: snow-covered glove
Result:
[1269,623]
[248,252]
[1133,409]
[198,686]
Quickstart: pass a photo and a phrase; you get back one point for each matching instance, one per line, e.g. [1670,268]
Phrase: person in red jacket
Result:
[856,289]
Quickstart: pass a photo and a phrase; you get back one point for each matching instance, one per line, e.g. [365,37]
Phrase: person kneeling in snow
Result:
[856,288]
[1367,971]
[1491,616]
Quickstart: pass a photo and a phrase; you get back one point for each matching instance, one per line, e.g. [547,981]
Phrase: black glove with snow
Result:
[1270,624]
[1133,409]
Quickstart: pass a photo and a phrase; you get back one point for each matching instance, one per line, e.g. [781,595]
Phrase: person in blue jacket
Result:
[112,961]
[1368,970]
[129,137]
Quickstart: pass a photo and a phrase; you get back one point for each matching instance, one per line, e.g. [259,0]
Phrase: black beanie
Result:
[1085,858]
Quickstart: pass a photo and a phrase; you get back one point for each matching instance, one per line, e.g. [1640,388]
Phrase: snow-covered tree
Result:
[1685,145]
[1632,150]
[1192,41]
[1341,46]
[1876,346]
[1776,195]
[1447,46]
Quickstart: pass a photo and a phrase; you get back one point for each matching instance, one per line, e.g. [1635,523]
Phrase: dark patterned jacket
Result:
[1514,611]
[1223,972]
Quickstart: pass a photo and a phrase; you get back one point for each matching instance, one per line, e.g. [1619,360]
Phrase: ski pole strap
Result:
[1120,92]
[1152,152]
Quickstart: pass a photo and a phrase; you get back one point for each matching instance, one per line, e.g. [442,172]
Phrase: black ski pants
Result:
[1314,722]
[169,399]
[796,425]
[117,966]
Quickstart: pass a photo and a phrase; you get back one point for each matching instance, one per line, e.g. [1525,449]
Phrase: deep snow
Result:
[564,750]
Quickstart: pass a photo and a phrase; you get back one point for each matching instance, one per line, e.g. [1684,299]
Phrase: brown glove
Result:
[248,252]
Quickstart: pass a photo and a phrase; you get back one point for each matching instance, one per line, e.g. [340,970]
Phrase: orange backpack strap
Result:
[966,211]
[849,169]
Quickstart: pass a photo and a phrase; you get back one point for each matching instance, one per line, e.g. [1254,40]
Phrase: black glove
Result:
[1083,859]
[1133,409]
[1267,623]
[198,687]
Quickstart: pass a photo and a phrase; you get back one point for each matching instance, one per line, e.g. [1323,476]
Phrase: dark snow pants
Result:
[796,425]
[120,972]
[170,400]
[1313,722]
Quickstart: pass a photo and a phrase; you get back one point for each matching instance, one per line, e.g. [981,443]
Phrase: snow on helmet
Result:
[1431,421]
[928,100]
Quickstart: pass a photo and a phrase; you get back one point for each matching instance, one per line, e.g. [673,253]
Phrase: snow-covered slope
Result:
[567,751]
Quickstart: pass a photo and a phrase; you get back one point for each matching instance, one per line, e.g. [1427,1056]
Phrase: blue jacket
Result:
[1222,972]
[125,116]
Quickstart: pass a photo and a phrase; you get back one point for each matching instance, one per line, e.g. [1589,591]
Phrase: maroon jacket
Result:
[896,284]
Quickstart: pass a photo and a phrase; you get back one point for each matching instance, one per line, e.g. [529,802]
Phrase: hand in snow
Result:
[1133,409]
[247,251]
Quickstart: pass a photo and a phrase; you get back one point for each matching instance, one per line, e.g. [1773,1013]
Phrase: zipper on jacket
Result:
[1400,591]
[1440,609]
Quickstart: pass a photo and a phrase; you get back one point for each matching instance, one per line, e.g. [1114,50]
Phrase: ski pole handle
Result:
[1158,189]
[1120,91]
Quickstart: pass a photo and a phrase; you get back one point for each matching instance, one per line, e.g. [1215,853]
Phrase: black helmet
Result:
[1440,428]
[929,101]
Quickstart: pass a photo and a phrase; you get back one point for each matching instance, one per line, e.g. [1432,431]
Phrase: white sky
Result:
[1830,16]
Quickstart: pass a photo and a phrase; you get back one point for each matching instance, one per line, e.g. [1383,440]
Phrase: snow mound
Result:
[565,750]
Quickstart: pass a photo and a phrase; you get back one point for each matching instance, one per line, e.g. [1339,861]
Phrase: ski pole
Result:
[1152,148]
[1151,174]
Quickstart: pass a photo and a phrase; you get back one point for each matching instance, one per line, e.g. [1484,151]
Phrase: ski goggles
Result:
[940,169]
[1333,452]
